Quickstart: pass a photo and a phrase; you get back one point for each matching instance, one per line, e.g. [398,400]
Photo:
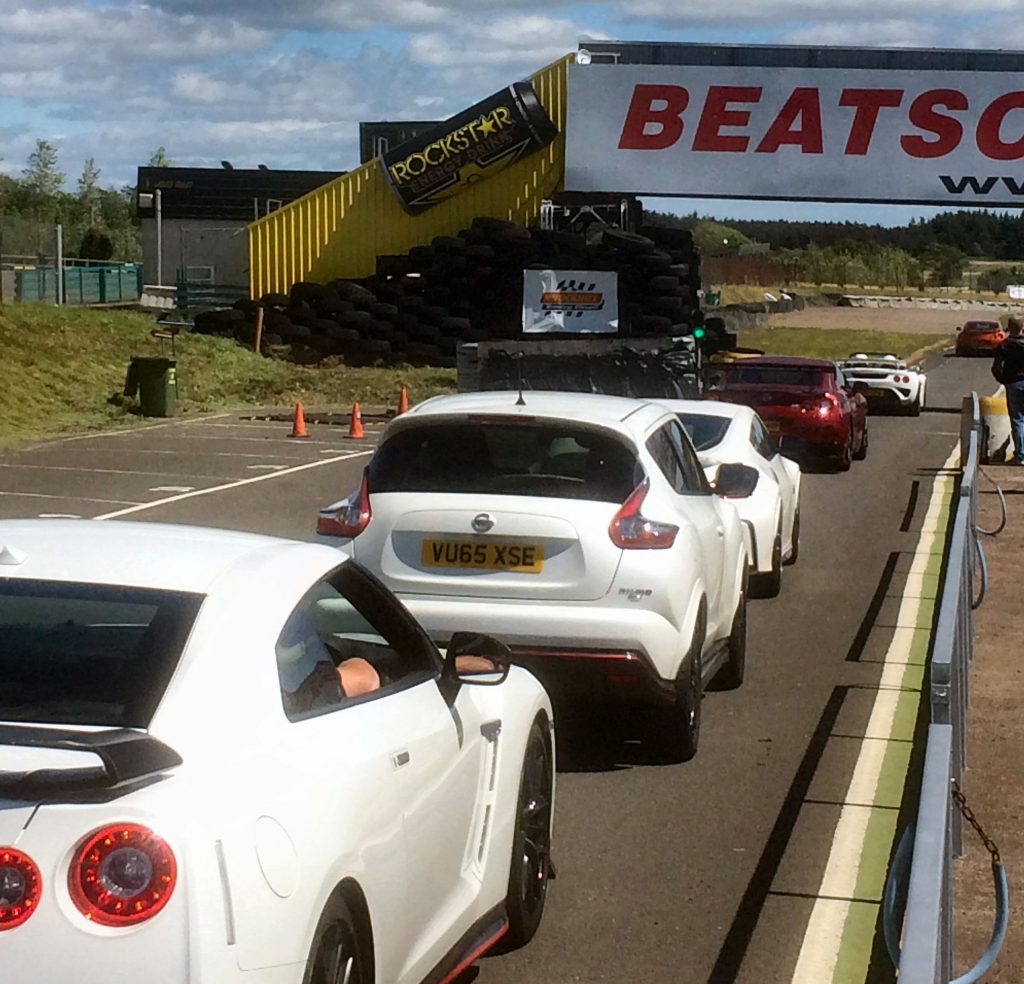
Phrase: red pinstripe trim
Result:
[472,958]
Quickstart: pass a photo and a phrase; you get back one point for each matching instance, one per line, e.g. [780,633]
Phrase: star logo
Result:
[486,125]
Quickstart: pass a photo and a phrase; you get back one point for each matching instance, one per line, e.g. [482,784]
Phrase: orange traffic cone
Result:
[403,400]
[299,424]
[355,428]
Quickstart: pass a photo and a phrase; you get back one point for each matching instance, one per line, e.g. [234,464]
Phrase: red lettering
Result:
[717,114]
[803,105]
[642,113]
[867,102]
[990,140]
[947,130]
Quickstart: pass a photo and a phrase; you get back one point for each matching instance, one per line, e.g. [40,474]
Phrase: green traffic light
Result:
[699,331]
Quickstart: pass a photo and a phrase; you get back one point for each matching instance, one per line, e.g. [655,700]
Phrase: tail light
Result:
[828,405]
[349,518]
[122,875]
[630,530]
[20,887]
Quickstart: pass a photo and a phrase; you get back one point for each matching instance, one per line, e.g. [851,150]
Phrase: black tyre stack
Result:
[419,307]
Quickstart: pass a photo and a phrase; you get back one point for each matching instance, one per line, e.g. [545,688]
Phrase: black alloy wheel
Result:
[675,731]
[530,870]
[845,459]
[730,676]
[337,955]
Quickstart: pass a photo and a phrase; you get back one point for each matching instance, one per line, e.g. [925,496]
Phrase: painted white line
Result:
[59,516]
[172,488]
[136,452]
[824,934]
[266,467]
[139,507]
[102,471]
[141,429]
[75,498]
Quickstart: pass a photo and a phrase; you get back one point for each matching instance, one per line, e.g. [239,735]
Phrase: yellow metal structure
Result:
[340,229]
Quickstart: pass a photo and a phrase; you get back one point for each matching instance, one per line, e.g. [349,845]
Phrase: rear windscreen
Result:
[775,376]
[88,654]
[548,459]
[982,326]
[703,430]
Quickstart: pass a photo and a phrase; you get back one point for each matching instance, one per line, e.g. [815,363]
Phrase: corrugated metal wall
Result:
[339,230]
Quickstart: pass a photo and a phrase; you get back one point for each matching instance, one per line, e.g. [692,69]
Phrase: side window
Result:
[693,474]
[761,440]
[671,450]
[349,640]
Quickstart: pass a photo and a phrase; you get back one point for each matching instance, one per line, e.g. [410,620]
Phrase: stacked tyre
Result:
[420,306]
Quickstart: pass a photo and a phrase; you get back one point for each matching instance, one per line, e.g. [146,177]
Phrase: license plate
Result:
[525,558]
[874,391]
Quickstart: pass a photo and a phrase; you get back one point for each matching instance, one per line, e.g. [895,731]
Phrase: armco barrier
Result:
[919,893]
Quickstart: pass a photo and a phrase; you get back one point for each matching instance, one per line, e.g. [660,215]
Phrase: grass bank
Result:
[836,343]
[61,366]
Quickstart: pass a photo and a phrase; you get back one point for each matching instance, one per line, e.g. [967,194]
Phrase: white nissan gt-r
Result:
[226,757]
[578,528]
[723,433]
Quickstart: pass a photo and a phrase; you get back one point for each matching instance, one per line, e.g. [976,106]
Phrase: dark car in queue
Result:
[980,338]
[806,402]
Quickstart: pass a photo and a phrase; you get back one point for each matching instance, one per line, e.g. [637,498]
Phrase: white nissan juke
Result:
[577,528]
[226,757]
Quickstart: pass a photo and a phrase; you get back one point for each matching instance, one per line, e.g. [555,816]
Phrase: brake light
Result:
[122,875]
[631,530]
[350,518]
[20,887]
[829,404]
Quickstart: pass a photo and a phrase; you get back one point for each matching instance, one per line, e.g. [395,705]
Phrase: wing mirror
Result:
[475,659]
[735,481]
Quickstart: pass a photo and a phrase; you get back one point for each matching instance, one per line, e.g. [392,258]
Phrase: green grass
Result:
[61,366]
[836,343]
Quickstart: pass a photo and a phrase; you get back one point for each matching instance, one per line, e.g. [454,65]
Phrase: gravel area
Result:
[878,319]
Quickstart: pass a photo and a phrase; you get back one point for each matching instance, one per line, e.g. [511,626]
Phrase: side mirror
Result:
[475,659]
[735,481]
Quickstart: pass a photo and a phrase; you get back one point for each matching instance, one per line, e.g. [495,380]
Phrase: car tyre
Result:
[862,451]
[845,459]
[338,954]
[770,584]
[675,731]
[915,408]
[794,541]
[730,676]
[530,870]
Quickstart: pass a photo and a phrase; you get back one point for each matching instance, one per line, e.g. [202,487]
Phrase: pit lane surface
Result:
[698,872]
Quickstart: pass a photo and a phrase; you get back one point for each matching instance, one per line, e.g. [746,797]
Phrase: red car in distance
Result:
[980,337]
[805,401]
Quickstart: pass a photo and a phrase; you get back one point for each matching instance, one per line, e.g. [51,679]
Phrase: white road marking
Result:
[824,934]
[266,467]
[100,471]
[76,498]
[173,488]
[141,429]
[59,516]
[139,507]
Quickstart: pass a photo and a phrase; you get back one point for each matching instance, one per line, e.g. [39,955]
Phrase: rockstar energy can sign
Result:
[476,144]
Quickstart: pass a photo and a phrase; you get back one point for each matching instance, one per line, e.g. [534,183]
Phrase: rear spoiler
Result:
[125,756]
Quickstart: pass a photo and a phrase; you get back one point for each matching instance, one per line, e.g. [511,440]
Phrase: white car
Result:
[886,381]
[580,529]
[723,433]
[226,757]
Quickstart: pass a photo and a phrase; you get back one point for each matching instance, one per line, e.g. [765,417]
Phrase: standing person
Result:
[1008,368]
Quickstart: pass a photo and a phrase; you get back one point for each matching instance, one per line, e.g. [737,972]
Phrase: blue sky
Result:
[285,84]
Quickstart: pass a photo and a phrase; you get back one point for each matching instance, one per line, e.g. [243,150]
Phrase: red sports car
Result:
[807,401]
[980,337]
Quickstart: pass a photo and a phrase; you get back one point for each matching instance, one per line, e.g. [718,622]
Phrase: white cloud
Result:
[699,12]
[875,34]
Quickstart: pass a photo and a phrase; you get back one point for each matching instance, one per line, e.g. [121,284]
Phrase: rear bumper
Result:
[561,639]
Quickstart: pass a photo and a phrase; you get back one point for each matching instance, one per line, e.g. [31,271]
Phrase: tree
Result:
[42,177]
[945,263]
[89,190]
[159,158]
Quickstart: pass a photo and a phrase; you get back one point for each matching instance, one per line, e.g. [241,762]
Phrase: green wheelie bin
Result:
[154,378]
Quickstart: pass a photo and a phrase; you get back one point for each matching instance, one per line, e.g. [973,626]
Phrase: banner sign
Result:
[1016,291]
[576,301]
[920,135]
[478,143]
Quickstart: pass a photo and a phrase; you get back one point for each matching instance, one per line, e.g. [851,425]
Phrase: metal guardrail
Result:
[925,877]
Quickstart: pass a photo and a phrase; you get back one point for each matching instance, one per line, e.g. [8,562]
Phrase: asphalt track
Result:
[703,872]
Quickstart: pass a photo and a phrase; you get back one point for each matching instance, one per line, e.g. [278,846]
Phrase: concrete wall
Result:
[196,242]
[8,283]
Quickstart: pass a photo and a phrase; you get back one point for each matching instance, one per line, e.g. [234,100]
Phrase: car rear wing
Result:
[125,757]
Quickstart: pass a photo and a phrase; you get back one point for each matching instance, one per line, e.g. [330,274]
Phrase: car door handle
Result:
[400,759]
[720,530]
